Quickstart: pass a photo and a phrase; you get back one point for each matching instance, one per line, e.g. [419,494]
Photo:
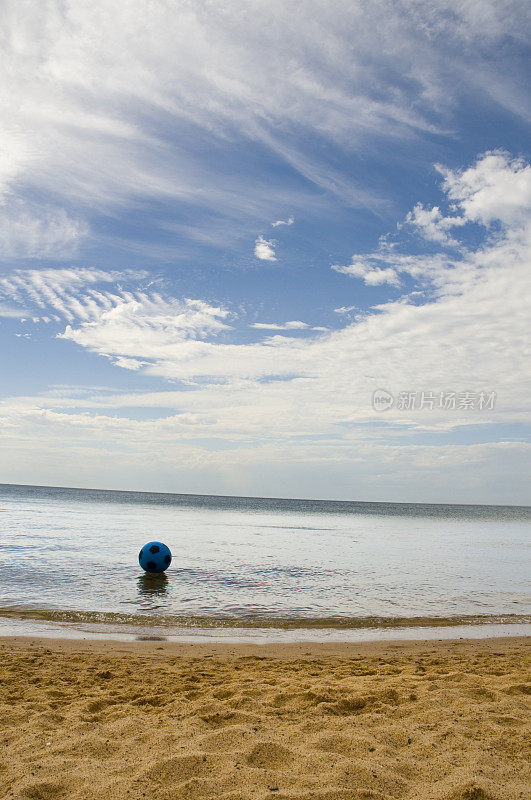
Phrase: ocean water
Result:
[69,556]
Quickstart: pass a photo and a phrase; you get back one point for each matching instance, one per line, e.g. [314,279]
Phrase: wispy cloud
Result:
[13,313]
[345,309]
[288,221]
[116,322]
[291,325]
[31,231]
[101,131]
[68,293]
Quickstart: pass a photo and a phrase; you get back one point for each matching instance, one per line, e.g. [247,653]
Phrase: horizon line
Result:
[264,497]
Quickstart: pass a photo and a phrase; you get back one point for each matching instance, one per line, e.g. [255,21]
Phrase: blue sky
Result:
[224,227]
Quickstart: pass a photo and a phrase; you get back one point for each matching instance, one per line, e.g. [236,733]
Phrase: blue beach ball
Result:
[154,557]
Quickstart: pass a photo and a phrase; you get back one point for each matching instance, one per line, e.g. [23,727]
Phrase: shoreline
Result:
[11,629]
[276,650]
[50,624]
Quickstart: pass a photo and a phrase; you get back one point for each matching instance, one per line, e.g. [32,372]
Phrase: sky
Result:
[266,248]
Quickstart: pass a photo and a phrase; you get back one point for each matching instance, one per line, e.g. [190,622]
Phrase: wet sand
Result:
[150,719]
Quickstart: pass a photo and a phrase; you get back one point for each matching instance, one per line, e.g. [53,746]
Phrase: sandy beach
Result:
[321,722]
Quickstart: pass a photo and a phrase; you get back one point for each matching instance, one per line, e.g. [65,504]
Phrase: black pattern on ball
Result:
[167,559]
[152,567]
[141,554]
[154,549]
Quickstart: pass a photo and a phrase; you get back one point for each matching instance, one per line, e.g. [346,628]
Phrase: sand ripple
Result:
[440,721]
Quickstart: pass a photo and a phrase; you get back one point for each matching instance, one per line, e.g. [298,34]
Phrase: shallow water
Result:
[246,559]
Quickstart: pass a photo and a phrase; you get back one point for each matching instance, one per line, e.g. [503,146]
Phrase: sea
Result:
[259,569]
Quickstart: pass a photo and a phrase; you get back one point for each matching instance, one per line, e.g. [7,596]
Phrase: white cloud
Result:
[345,309]
[432,225]
[264,249]
[163,455]
[288,221]
[365,268]
[148,327]
[495,189]
[126,363]
[291,325]
[294,324]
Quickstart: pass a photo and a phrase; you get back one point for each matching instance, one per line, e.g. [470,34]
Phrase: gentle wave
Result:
[285,623]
